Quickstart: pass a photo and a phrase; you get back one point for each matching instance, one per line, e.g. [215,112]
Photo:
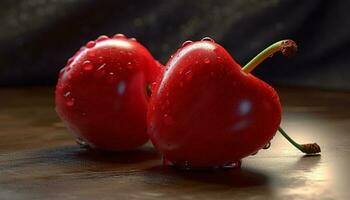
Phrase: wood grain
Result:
[40,160]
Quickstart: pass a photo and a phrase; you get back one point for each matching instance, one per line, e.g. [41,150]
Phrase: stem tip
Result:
[289,48]
[311,148]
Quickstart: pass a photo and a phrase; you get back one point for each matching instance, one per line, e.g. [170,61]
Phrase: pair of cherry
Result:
[200,110]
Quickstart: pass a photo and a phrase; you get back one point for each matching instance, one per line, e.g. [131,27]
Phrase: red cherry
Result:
[101,96]
[216,115]
[207,111]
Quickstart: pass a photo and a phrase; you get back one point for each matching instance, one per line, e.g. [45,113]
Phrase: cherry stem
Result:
[288,49]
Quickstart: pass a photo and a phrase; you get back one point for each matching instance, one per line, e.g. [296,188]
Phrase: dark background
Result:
[38,36]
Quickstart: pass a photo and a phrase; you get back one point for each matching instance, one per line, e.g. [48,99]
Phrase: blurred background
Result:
[38,36]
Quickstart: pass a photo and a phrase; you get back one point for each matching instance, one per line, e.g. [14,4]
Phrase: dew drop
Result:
[90,44]
[102,37]
[70,102]
[133,39]
[207,39]
[186,43]
[111,77]
[206,61]
[129,66]
[267,145]
[67,94]
[119,35]
[61,72]
[70,60]
[68,69]
[87,65]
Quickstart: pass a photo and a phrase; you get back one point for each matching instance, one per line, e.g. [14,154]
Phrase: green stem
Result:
[287,48]
[294,143]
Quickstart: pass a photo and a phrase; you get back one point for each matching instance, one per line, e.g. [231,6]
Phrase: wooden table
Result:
[40,160]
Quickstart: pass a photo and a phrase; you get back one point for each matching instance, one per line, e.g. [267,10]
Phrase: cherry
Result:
[207,112]
[101,93]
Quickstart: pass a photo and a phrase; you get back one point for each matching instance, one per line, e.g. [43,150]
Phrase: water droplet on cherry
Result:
[60,74]
[133,39]
[267,145]
[102,37]
[119,35]
[111,77]
[129,66]
[206,60]
[90,44]
[207,39]
[186,43]
[70,102]
[70,60]
[67,94]
[87,65]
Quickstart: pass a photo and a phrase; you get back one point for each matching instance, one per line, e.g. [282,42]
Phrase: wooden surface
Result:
[39,159]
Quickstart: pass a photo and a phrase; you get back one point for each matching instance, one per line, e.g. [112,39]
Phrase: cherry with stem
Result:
[288,48]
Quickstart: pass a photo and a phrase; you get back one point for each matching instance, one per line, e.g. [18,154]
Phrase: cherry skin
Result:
[206,112]
[101,93]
